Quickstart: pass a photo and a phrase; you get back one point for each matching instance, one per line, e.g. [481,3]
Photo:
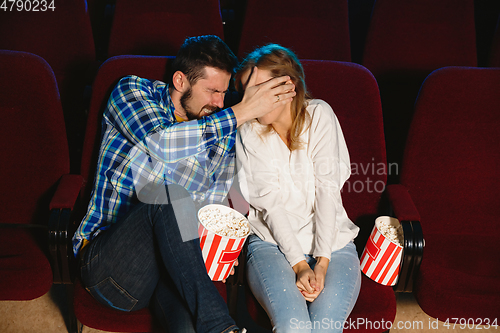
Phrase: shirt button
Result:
[199,149]
[169,172]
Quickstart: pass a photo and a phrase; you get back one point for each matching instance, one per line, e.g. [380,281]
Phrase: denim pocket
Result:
[112,294]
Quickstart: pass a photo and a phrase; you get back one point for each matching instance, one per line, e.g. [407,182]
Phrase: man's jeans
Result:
[142,260]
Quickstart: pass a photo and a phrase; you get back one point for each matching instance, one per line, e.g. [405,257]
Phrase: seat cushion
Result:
[25,271]
[463,273]
[374,309]
[93,314]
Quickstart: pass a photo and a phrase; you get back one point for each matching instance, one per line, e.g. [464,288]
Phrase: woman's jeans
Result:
[272,281]
[143,260]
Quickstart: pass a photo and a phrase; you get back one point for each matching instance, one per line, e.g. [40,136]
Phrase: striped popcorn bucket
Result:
[219,252]
[381,258]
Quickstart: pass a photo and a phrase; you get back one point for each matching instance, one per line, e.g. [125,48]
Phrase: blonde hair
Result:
[281,61]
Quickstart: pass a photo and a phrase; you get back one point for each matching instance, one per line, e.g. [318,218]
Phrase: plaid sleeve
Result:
[223,176]
[187,139]
[135,110]
[137,113]
[143,143]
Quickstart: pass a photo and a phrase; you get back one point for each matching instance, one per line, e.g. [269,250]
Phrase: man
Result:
[165,151]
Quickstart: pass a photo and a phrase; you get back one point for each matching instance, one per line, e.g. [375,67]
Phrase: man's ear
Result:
[180,81]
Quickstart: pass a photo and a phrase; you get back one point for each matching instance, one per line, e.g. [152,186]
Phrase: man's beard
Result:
[190,114]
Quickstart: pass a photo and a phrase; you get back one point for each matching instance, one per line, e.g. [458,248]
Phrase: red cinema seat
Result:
[35,178]
[313,30]
[159,27]
[450,174]
[59,32]
[406,41]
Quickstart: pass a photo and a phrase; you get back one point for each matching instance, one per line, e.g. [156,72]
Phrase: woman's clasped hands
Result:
[311,282]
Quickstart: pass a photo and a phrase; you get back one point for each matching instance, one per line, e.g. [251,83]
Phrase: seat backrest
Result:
[61,35]
[352,92]
[33,135]
[110,72]
[452,155]
[161,26]
[312,29]
[60,32]
[417,37]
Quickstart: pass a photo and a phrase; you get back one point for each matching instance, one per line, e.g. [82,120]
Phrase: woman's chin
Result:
[263,121]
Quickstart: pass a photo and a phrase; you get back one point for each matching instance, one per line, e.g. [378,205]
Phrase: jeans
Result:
[272,281]
[143,261]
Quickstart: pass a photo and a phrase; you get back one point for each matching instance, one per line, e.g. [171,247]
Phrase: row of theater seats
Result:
[405,41]
[449,187]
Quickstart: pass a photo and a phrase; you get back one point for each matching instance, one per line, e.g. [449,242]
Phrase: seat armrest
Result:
[401,203]
[406,265]
[418,252]
[60,225]
[234,281]
[67,192]
[406,212]
[237,202]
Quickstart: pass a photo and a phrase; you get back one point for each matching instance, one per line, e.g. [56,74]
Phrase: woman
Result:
[303,267]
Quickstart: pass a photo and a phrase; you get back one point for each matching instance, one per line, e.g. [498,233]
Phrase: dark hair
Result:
[196,53]
[281,61]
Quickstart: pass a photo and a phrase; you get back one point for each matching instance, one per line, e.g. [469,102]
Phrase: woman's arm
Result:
[332,168]
[260,187]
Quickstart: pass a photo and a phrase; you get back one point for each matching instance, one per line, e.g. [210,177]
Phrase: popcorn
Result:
[223,231]
[392,233]
[381,258]
[224,224]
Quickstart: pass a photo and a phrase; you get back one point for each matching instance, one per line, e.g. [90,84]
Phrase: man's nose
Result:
[218,100]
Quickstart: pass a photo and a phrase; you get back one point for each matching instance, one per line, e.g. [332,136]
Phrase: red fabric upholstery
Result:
[161,26]
[90,312]
[407,40]
[313,30]
[401,202]
[25,272]
[67,192]
[420,36]
[451,171]
[352,92]
[459,276]
[33,136]
[35,153]
[374,309]
[63,37]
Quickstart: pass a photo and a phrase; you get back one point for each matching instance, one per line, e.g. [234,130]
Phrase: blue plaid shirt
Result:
[143,143]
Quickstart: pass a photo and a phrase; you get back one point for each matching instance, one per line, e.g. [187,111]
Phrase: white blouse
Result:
[294,197]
